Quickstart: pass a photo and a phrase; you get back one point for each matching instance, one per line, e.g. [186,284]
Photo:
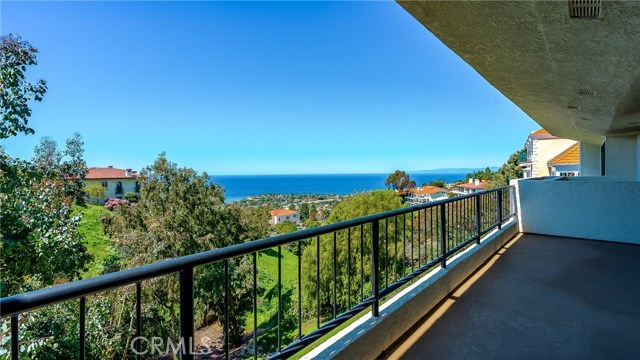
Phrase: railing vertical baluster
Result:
[186,312]
[299,290]
[500,209]
[335,264]
[349,268]
[83,314]
[431,233]
[375,253]
[404,244]
[255,306]
[318,281]
[395,247]
[139,319]
[412,241]
[478,219]
[386,252]
[425,236]
[443,240]
[227,301]
[362,262]
[279,298]
[15,343]
[419,231]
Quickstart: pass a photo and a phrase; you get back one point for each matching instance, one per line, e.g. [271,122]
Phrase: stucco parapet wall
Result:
[588,207]
[368,337]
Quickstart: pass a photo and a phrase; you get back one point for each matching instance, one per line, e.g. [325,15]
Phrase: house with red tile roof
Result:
[469,188]
[567,163]
[115,182]
[424,194]
[542,148]
[282,215]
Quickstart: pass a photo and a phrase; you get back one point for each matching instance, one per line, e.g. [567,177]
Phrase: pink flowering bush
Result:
[115,203]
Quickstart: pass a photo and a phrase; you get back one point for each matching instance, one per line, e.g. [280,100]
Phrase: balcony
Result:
[540,297]
[466,268]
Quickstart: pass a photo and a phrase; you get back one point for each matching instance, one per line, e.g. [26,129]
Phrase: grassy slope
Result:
[96,241]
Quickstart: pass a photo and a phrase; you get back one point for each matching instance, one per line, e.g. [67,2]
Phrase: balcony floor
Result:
[543,297]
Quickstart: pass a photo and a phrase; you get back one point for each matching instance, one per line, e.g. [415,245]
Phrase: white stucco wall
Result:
[590,160]
[545,150]
[294,218]
[128,185]
[599,208]
[621,157]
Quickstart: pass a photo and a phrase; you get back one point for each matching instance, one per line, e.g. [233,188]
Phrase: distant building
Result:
[567,163]
[281,215]
[471,187]
[541,148]
[424,194]
[116,182]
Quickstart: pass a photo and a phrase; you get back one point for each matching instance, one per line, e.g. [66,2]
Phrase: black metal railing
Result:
[377,254]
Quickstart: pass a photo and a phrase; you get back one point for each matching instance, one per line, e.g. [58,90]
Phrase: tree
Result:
[313,212]
[304,211]
[353,207]
[95,190]
[15,90]
[46,156]
[39,238]
[399,180]
[179,213]
[285,227]
[292,207]
[74,169]
[439,183]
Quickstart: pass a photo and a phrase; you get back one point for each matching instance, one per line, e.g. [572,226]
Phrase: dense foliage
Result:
[181,213]
[355,206]
[15,91]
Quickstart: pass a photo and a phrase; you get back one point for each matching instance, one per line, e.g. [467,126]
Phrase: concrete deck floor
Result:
[542,297]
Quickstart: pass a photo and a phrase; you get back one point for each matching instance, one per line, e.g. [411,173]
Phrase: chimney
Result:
[127,172]
[477,181]
[470,180]
[110,166]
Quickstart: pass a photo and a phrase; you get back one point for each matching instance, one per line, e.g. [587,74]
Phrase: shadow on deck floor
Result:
[544,297]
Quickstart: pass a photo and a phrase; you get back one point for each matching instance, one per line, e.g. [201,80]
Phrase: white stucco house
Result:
[424,194]
[567,163]
[116,182]
[542,148]
[471,187]
[282,215]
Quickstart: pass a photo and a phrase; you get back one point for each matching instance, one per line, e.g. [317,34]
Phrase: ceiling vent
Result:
[584,91]
[585,8]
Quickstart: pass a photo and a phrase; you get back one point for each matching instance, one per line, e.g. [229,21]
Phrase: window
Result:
[104,184]
[119,187]
[137,188]
[287,216]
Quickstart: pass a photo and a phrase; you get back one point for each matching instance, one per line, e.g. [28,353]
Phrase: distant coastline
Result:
[239,187]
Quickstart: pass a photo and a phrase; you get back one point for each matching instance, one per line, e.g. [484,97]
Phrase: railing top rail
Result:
[32,300]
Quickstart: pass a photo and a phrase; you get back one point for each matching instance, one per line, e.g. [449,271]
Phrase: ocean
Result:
[238,187]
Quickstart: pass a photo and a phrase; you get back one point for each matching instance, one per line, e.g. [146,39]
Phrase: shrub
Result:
[132,197]
[115,203]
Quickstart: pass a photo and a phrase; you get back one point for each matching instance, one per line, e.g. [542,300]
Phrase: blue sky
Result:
[259,87]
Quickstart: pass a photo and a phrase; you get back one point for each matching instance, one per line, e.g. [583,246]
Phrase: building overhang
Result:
[578,78]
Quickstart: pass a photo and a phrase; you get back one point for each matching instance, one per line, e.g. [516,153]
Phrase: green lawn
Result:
[96,241]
